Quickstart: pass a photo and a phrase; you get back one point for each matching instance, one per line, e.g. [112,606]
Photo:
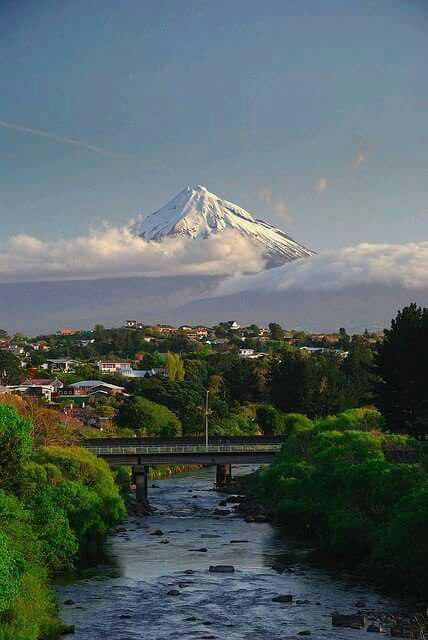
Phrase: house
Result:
[234,326]
[66,332]
[39,391]
[195,333]
[12,348]
[134,324]
[45,382]
[91,387]
[85,343]
[318,350]
[60,364]
[40,346]
[164,329]
[111,366]
[246,353]
[143,373]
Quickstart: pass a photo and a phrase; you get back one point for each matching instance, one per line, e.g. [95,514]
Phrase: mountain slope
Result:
[196,213]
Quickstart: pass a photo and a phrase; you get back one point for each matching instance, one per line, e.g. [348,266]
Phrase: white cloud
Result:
[360,158]
[114,251]
[322,185]
[405,265]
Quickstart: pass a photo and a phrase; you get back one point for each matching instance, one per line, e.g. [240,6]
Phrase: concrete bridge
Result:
[141,453]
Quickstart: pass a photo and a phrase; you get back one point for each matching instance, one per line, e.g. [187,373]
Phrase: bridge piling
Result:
[223,475]
[141,476]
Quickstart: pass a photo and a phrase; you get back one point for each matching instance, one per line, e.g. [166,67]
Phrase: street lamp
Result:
[206,417]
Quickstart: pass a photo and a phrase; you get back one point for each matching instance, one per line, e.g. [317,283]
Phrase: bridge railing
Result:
[152,450]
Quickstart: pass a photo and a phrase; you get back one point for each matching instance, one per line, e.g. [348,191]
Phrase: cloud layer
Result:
[405,265]
[114,251]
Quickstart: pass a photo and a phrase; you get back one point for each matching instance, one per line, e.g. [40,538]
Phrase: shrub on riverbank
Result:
[53,503]
[334,482]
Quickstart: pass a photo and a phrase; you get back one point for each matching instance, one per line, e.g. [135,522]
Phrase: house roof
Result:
[94,383]
[43,381]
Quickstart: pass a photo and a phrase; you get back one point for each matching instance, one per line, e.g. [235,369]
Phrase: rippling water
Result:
[126,598]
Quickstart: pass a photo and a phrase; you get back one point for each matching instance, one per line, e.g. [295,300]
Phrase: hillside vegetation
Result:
[53,502]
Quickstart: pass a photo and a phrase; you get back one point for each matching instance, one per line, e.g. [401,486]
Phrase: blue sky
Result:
[313,115]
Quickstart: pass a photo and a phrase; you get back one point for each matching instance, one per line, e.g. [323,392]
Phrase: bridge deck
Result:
[138,452]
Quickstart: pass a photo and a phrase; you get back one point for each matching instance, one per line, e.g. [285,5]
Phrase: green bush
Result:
[57,500]
[148,418]
[236,424]
[336,484]
[15,445]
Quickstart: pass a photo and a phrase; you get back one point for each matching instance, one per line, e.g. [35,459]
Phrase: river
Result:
[126,597]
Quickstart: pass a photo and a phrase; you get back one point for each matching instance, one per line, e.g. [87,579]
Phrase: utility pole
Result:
[206,417]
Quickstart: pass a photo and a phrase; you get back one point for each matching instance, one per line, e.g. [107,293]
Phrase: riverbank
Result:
[342,488]
[55,502]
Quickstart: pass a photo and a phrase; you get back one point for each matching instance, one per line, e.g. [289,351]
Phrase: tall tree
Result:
[174,366]
[402,366]
[276,331]
[10,368]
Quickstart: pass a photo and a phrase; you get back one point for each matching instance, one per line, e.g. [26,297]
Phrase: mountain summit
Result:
[198,214]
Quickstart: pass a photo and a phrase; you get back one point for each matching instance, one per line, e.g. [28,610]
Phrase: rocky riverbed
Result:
[156,581]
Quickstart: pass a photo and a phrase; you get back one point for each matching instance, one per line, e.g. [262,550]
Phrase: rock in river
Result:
[284,598]
[222,568]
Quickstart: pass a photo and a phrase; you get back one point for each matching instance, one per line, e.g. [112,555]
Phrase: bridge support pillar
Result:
[223,475]
[141,476]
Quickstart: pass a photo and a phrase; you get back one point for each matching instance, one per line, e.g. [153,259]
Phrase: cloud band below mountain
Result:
[116,252]
[405,265]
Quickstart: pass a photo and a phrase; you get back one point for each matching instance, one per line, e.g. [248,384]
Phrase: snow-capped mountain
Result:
[196,213]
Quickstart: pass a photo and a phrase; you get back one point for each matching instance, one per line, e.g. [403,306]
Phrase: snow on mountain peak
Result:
[198,214]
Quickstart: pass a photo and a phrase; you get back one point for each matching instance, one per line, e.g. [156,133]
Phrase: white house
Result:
[246,353]
[59,364]
[109,366]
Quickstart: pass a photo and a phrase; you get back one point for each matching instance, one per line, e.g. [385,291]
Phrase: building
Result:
[246,353]
[45,382]
[90,388]
[134,324]
[112,366]
[143,373]
[66,332]
[17,350]
[38,391]
[60,364]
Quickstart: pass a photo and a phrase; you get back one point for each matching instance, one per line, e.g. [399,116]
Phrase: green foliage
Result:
[276,331]
[402,367]
[295,422]
[11,570]
[270,420]
[148,418]
[174,366]
[237,424]
[185,399]
[323,384]
[363,419]
[10,368]
[123,480]
[333,481]
[401,544]
[64,498]
[15,445]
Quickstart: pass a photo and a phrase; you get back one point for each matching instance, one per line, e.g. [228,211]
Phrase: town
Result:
[86,376]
